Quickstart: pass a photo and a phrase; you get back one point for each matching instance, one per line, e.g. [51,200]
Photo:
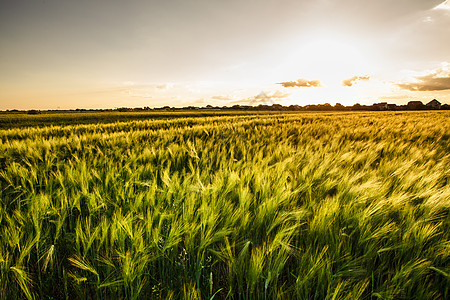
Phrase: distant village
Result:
[382,106]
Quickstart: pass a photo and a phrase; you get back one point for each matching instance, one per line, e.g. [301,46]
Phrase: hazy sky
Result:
[109,53]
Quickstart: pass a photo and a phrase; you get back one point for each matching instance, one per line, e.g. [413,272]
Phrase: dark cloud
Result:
[351,81]
[301,83]
[431,82]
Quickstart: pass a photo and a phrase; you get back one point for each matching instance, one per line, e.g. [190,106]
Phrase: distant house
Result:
[392,106]
[415,105]
[434,104]
[381,106]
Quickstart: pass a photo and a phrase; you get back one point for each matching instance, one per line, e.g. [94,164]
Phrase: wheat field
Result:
[270,206]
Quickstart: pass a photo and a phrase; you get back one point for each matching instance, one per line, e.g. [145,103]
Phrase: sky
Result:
[67,54]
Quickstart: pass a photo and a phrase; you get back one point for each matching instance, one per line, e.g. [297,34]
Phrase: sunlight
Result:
[327,57]
[331,58]
[445,5]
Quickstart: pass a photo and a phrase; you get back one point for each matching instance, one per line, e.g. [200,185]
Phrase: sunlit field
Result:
[288,206]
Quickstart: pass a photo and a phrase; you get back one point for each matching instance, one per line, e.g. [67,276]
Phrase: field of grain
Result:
[288,206]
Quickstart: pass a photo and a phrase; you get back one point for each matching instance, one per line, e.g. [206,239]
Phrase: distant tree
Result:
[357,106]
[311,107]
[277,106]
[33,112]
[339,106]
[294,107]
[326,106]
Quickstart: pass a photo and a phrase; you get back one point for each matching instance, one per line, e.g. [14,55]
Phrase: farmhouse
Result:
[434,104]
[381,106]
[392,106]
[414,104]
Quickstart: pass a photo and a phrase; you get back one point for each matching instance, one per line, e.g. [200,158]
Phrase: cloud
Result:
[264,98]
[200,102]
[351,81]
[427,83]
[435,81]
[261,98]
[164,86]
[138,94]
[279,95]
[222,98]
[301,83]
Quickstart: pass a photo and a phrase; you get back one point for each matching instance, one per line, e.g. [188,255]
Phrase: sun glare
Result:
[445,5]
[329,58]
